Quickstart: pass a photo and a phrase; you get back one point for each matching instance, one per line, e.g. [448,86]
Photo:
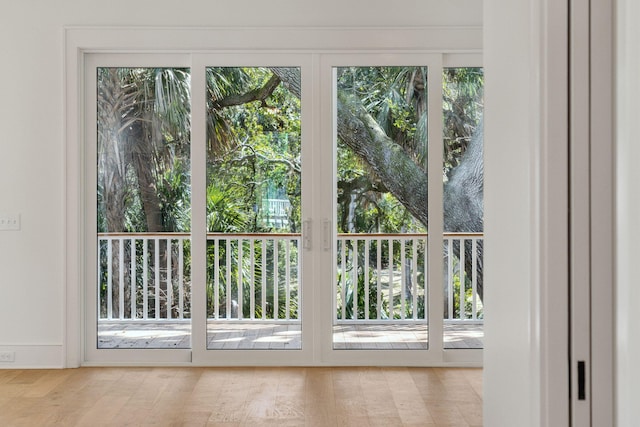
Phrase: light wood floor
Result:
[241,397]
[258,335]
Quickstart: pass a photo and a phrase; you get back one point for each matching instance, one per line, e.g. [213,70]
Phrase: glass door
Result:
[253,227]
[138,143]
[254,220]
[383,132]
[381,207]
[407,208]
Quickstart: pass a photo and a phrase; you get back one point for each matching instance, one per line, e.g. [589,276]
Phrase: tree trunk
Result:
[142,146]
[399,173]
[112,151]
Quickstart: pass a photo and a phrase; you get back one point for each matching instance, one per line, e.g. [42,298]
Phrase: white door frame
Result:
[83,41]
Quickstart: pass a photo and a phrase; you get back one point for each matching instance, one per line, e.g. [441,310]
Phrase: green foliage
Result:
[463,104]
[397,98]
[143,128]
[260,159]
[173,191]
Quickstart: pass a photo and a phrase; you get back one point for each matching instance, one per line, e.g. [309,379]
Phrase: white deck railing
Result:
[463,276]
[257,276]
[144,276]
[390,272]
[381,277]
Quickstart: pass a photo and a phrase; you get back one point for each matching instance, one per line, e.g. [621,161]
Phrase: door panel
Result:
[251,151]
[253,199]
[137,144]
[380,296]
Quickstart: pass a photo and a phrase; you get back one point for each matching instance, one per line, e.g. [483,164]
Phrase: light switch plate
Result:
[9,222]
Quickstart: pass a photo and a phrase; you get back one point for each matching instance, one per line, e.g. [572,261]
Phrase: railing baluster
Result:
[181,278]
[240,281]
[156,285]
[99,278]
[366,279]
[391,268]
[450,278]
[474,278]
[120,278]
[252,285]
[276,279]
[263,291]
[228,281]
[134,279]
[343,292]
[403,281]
[110,280]
[169,246]
[462,276]
[216,278]
[287,305]
[354,278]
[145,278]
[378,278]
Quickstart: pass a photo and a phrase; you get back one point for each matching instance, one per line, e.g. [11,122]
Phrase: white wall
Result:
[628,214]
[32,160]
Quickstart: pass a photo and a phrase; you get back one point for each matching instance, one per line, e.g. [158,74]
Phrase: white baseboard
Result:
[31,356]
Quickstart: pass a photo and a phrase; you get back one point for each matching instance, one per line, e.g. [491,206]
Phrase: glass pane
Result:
[463,207]
[253,208]
[144,282]
[381,283]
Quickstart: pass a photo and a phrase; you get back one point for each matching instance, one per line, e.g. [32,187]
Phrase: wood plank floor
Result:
[245,335]
[241,397]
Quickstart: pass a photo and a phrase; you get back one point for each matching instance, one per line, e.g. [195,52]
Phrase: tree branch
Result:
[259,94]
[400,174]
[290,78]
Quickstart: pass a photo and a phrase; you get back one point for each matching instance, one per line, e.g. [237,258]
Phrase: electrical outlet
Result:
[9,222]
[7,356]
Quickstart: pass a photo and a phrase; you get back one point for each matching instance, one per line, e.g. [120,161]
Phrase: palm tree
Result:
[143,134]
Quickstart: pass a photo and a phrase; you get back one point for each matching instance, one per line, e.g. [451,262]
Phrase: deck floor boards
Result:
[260,335]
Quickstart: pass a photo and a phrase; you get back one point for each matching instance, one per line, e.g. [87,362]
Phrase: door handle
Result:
[326,234]
[306,234]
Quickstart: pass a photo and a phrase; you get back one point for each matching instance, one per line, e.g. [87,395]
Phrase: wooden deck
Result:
[282,336]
